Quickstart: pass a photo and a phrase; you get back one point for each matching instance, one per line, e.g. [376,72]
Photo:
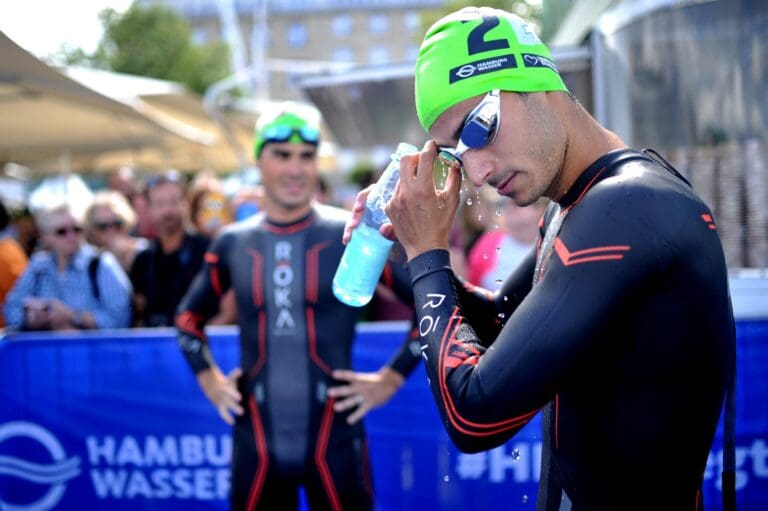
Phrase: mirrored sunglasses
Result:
[478,129]
[283,133]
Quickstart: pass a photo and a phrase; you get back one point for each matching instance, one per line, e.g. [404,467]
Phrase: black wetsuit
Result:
[294,332]
[626,339]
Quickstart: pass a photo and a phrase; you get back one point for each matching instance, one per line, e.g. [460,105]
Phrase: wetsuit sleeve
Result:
[486,393]
[200,303]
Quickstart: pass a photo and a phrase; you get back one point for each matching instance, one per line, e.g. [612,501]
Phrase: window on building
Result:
[342,54]
[342,25]
[411,52]
[378,24]
[297,35]
[412,21]
[378,55]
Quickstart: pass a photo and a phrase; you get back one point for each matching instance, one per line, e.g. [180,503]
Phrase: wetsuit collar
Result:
[595,172]
[296,225]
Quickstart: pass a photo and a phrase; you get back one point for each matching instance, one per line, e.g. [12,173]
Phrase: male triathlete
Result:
[296,338]
[618,325]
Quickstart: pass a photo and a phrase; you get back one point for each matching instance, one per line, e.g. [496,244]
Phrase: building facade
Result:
[296,37]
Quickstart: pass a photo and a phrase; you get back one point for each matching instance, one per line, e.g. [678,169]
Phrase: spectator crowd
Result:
[133,253]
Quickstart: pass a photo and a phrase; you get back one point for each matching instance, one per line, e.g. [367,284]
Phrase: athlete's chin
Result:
[295,200]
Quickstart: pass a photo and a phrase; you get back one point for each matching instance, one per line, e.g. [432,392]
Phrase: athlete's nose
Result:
[478,168]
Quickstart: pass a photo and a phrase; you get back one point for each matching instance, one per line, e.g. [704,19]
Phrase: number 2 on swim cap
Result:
[476,42]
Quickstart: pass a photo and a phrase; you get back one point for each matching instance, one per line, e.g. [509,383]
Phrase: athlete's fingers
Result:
[345,375]
[349,402]
[452,181]
[358,414]
[425,175]
[225,416]
[235,407]
[357,214]
[235,375]
[342,391]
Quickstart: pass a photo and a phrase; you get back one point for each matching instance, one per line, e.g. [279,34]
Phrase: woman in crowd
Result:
[108,223]
[68,284]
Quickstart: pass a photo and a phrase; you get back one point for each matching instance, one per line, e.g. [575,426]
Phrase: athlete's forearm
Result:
[452,351]
[193,342]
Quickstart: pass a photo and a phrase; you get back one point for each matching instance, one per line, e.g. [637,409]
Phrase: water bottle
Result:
[367,251]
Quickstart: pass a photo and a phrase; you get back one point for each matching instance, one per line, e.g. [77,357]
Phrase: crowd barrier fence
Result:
[115,420]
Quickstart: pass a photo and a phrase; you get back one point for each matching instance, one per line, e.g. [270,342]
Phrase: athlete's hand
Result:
[222,391]
[365,391]
[422,214]
[357,213]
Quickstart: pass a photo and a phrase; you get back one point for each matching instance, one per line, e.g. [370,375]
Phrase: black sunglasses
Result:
[113,224]
[63,231]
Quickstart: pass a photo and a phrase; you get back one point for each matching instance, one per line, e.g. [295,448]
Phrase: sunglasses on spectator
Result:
[116,224]
[478,130]
[284,133]
[63,231]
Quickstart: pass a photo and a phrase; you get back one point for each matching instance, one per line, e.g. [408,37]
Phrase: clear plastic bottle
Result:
[367,251]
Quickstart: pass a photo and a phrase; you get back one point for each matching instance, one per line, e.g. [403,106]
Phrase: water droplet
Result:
[502,316]
[469,201]
[506,298]
[525,499]
[498,212]
[498,250]
[495,227]
[485,256]
[516,454]
[446,478]
[480,218]
[499,281]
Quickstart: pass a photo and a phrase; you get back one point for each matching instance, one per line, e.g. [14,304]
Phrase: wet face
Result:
[289,177]
[525,159]
[63,235]
[167,207]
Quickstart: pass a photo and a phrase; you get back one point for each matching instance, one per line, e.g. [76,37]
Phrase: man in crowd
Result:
[619,326]
[163,272]
[292,427]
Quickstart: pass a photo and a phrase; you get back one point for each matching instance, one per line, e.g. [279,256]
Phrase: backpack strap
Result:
[93,268]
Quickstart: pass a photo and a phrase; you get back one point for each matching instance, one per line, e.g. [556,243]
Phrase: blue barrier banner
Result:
[115,420]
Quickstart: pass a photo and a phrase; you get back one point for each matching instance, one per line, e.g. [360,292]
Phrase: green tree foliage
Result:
[156,42]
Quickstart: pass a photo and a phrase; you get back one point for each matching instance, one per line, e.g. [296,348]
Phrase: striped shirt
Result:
[73,287]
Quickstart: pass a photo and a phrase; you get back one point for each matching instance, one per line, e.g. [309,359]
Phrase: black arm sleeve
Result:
[486,394]
[199,304]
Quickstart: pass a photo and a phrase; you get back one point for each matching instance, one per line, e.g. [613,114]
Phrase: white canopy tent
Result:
[45,114]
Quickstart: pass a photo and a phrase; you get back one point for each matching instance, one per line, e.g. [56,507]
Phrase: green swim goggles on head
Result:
[284,133]
[478,129]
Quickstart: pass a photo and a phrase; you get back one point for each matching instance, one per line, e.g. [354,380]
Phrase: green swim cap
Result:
[284,127]
[475,50]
